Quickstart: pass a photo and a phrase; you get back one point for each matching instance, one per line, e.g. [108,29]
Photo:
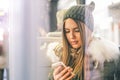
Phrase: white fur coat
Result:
[51,53]
[99,48]
[103,50]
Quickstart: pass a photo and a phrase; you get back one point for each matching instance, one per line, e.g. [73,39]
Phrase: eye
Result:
[77,30]
[67,31]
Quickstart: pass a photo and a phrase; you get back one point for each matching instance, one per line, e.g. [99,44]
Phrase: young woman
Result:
[77,30]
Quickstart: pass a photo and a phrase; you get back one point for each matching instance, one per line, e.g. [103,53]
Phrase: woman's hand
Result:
[63,73]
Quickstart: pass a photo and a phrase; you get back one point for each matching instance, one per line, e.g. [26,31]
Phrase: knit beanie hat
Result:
[82,13]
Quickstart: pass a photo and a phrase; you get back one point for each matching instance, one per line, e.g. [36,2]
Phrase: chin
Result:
[76,47]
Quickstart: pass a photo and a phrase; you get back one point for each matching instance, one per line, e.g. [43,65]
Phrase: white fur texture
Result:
[51,53]
[101,49]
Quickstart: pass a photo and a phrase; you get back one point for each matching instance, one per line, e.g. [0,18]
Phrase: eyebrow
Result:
[73,28]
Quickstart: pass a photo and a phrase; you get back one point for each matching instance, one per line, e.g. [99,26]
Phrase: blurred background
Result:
[28,26]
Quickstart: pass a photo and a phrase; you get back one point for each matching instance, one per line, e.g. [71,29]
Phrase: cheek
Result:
[79,39]
[78,36]
[67,37]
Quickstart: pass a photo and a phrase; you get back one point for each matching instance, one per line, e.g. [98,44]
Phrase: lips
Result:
[74,42]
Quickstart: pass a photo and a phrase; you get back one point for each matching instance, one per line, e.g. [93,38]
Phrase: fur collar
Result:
[102,50]
[99,49]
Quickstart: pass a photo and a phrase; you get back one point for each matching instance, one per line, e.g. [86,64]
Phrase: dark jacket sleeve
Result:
[109,70]
[118,70]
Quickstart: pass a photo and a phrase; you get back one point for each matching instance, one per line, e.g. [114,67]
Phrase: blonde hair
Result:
[79,63]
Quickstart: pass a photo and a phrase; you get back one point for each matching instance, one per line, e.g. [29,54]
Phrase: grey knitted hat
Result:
[82,13]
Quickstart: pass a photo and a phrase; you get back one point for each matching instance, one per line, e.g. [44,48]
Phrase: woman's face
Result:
[72,33]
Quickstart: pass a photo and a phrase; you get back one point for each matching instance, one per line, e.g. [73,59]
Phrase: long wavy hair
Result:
[79,62]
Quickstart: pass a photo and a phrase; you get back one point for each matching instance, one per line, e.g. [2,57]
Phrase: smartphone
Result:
[54,65]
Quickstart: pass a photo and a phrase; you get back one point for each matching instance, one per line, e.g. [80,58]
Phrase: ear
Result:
[91,6]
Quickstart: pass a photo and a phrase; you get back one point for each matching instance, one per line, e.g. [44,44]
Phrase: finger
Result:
[71,76]
[70,70]
[65,76]
[64,71]
[57,70]
[58,74]
[68,74]
[57,77]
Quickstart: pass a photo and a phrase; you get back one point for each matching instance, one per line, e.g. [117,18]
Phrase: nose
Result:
[72,35]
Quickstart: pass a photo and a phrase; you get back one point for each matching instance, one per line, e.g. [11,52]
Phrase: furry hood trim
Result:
[102,50]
